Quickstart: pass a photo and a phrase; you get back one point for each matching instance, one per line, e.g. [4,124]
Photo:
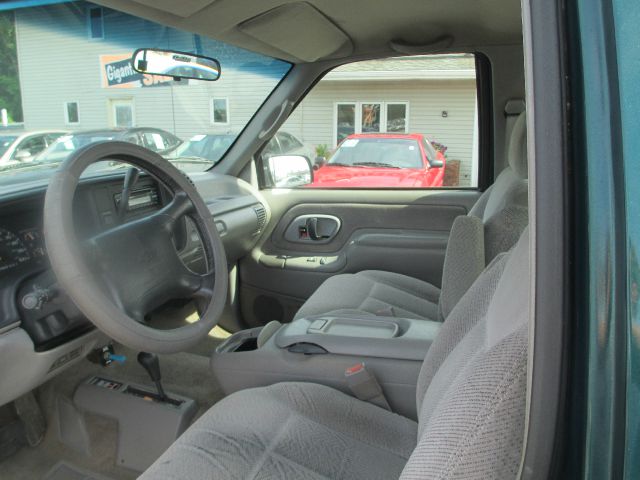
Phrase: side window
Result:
[272,148]
[33,146]
[154,141]
[288,142]
[408,122]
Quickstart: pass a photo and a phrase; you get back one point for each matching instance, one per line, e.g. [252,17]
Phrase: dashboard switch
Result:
[37,298]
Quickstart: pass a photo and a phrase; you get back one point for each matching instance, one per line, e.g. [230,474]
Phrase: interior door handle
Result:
[312,229]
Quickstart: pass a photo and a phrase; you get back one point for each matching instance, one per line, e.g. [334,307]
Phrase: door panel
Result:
[400,231]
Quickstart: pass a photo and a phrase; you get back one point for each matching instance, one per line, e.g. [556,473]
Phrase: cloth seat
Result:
[374,292]
[471,400]
[292,430]
[501,213]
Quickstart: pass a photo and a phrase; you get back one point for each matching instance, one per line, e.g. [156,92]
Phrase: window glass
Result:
[370,122]
[288,142]
[378,152]
[220,110]
[71,112]
[345,120]
[397,117]
[408,122]
[96,25]
[122,113]
[5,142]
[32,145]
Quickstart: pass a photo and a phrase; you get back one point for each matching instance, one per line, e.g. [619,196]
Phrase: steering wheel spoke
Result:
[177,208]
[200,286]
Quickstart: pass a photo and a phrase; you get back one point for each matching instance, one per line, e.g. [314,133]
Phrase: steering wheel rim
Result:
[79,280]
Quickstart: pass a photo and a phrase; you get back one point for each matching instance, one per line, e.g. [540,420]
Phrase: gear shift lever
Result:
[151,364]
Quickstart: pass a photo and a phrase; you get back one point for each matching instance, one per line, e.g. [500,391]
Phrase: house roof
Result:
[408,68]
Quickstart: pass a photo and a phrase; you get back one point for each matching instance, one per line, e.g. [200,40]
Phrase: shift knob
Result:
[151,364]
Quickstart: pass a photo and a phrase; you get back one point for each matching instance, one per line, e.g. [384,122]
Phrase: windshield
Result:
[378,152]
[71,71]
[5,142]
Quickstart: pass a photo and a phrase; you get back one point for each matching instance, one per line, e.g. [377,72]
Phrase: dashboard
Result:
[30,299]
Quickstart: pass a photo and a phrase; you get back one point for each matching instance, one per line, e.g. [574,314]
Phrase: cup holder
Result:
[244,341]
[247,345]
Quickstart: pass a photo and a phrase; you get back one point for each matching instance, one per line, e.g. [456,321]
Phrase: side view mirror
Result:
[23,155]
[289,171]
[436,164]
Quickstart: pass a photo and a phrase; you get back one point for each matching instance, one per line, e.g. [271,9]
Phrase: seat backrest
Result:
[472,386]
[493,225]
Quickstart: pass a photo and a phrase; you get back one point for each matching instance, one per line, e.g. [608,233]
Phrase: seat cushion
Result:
[290,430]
[374,292]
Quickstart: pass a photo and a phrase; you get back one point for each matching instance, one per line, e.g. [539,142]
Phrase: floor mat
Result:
[66,471]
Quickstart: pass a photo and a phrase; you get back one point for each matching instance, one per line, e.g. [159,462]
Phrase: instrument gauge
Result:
[12,250]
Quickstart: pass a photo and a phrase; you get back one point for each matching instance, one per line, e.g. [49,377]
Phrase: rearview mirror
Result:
[436,164]
[289,171]
[175,64]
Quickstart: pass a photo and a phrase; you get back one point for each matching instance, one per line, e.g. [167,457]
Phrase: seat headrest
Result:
[518,147]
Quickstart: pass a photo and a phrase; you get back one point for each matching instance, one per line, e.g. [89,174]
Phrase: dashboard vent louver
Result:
[261,213]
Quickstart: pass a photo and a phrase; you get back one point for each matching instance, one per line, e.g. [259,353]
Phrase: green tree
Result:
[9,81]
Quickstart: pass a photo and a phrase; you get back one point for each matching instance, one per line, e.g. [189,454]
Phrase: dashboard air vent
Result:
[261,213]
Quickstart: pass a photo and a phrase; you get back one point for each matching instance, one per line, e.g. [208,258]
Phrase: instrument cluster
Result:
[20,247]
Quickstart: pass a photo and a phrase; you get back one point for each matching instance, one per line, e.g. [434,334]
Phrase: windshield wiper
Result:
[375,164]
[338,164]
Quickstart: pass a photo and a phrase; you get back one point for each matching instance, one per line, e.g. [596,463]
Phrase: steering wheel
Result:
[118,276]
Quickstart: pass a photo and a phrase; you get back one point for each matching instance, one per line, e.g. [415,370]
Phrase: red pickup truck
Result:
[379,160]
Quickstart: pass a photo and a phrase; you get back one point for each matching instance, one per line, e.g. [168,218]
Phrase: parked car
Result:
[204,150]
[16,147]
[382,160]
[284,143]
[208,149]
[155,139]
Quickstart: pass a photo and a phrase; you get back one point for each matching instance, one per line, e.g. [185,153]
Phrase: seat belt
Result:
[364,385]
[512,109]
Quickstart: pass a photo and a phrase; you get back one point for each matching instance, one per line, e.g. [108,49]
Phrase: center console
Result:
[319,349]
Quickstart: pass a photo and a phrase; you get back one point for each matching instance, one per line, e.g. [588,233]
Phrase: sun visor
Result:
[183,8]
[300,31]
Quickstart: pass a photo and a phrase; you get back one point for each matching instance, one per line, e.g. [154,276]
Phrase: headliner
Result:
[316,30]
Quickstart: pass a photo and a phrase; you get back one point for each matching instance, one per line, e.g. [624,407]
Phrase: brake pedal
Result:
[31,416]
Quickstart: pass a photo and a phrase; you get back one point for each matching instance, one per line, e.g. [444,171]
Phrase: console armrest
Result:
[362,335]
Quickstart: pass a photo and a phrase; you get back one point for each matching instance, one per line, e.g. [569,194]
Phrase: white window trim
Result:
[89,33]
[66,112]
[358,114]
[211,111]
